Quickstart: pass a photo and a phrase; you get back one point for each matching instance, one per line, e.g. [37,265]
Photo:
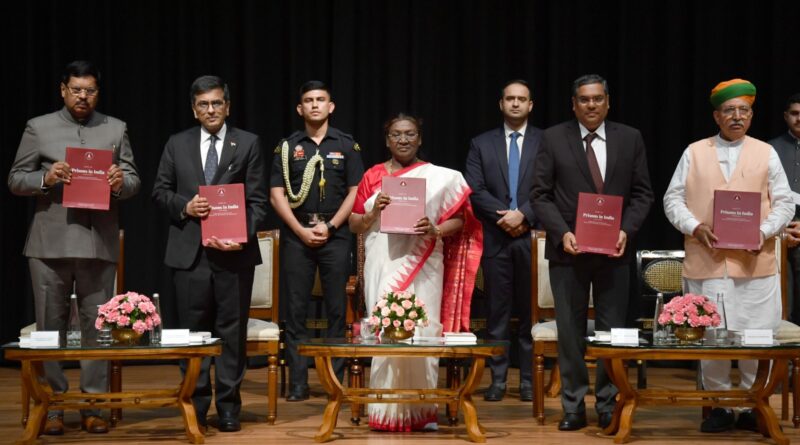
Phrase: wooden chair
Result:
[115,366]
[263,331]
[787,332]
[543,326]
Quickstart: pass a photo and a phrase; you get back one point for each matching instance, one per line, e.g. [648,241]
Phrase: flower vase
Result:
[125,336]
[688,334]
[393,334]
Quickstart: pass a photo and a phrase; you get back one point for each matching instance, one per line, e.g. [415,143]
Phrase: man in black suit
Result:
[588,155]
[212,283]
[500,172]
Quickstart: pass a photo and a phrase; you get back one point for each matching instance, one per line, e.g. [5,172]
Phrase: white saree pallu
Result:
[415,264]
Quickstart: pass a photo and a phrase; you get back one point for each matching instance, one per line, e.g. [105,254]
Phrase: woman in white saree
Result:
[441,259]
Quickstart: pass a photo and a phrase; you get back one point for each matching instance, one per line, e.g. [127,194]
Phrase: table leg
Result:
[31,373]
[115,385]
[185,400]
[335,395]
[356,381]
[764,388]
[474,429]
[622,419]
[454,380]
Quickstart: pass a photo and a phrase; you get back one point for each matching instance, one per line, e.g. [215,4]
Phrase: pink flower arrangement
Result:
[401,310]
[690,311]
[130,310]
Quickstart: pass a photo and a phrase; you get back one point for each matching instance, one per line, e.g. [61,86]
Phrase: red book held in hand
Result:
[88,188]
[227,218]
[407,206]
[737,219]
[597,223]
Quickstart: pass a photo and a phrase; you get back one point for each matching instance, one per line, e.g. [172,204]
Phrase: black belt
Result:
[308,219]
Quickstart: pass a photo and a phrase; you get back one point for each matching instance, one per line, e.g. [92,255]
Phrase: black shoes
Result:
[572,422]
[495,393]
[525,392]
[719,421]
[228,423]
[297,393]
[747,421]
[604,420]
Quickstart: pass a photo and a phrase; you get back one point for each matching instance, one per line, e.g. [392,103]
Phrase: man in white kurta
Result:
[747,279]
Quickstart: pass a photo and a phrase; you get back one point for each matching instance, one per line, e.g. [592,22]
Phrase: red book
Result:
[227,218]
[407,206]
[737,219]
[597,223]
[89,187]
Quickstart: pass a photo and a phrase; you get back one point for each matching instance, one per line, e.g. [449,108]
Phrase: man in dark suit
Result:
[212,283]
[500,172]
[588,155]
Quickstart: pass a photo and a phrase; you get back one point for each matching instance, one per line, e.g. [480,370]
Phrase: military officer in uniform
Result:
[314,177]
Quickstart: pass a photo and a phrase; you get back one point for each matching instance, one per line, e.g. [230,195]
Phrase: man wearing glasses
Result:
[213,278]
[72,250]
[315,174]
[730,160]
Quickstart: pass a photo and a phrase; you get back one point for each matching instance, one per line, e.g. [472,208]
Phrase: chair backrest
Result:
[264,297]
[542,301]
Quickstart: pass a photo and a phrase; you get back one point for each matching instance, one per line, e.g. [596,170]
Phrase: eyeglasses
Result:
[409,135]
[743,110]
[203,106]
[598,100]
[89,92]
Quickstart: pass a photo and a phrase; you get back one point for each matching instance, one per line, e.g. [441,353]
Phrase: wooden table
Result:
[756,397]
[44,398]
[324,350]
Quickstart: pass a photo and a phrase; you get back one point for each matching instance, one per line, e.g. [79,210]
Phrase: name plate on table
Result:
[41,339]
[597,223]
[737,219]
[757,337]
[460,338]
[407,206]
[625,336]
[175,337]
[227,218]
[89,188]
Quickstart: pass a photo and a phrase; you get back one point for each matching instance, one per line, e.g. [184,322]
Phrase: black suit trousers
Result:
[298,268]
[507,283]
[608,280]
[217,300]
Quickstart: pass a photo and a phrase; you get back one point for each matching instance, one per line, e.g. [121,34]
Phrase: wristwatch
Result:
[331,227]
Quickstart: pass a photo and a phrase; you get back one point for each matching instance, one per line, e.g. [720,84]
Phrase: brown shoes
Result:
[54,426]
[94,424]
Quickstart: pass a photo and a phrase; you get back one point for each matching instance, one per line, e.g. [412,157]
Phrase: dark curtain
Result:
[444,60]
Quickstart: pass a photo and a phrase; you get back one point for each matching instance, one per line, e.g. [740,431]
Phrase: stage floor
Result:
[507,422]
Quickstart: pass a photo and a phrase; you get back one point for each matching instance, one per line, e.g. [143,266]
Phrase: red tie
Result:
[594,167]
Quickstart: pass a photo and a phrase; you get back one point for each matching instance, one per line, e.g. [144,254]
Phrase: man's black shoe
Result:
[228,423]
[495,393]
[525,392]
[297,393]
[604,420]
[719,421]
[747,421]
[572,422]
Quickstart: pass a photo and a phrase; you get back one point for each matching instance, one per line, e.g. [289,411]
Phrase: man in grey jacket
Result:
[72,250]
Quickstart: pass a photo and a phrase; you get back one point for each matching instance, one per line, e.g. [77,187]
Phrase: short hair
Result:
[80,68]
[204,84]
[793,99]
[512,82]
[588,79]
[312,85]
[417,121]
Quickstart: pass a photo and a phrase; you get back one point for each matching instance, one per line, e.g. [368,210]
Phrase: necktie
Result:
[594,167]
[211,160]
[513,168]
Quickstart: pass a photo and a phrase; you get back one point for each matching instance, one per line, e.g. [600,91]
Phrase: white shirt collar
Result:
[723,143]
[521,131]
[600,131]
[204,134]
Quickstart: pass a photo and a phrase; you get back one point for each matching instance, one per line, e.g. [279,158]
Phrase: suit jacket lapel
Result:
[612,154]
[228,149]
[576,146]
[528,151]
[194,155]
[499,144]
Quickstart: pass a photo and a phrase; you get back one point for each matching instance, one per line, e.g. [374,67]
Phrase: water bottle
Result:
[74,325]
[721,332]
[659,332]
[155,334]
